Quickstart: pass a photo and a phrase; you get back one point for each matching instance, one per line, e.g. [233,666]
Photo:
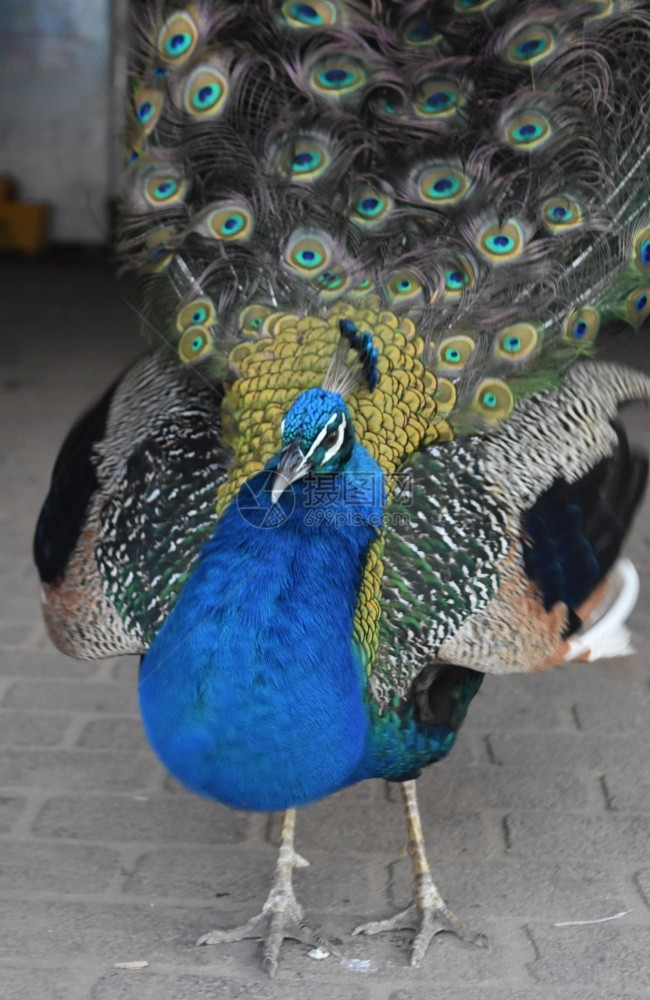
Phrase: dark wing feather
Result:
[113,556]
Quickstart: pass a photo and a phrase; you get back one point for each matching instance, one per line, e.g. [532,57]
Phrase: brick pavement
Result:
[541,815]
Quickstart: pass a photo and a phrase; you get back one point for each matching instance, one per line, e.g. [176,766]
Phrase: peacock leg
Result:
[281,911]
[428,914]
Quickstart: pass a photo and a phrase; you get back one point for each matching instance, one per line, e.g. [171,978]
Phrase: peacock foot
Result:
[429,914]
[282,913]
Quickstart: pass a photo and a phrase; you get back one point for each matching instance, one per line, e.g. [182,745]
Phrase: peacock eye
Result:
[330,438]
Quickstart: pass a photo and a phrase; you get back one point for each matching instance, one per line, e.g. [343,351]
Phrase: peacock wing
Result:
[132,499]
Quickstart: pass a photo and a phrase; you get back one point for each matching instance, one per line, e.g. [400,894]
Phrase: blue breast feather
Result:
[252,692]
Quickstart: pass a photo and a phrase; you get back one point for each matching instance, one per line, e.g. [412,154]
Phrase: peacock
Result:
[368,457]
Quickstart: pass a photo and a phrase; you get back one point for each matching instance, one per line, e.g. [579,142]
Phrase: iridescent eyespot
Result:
[145,111]
[310,15]
[638,306]
[642,250]
[251,319]
[159,244]
[194,344]
[303,158]
[445,396]
[438,99]
[178,37]
[454,352]
[501,244]
[459,278]
[441,184]
[454,281]
[198,312]
[562,213]
[404,288]
[361,289]
[336,76]
[528,130]
[306,161]
[225,221]
[530,45]
[517,341]
[308,253]
[147,104]
[162,187]
[331,280]
[205,90]
[371,208]
[581,326]
[331,284]
[420,32]
[493,400]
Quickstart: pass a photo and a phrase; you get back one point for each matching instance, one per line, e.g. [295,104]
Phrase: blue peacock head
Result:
[317,437]
[317,432]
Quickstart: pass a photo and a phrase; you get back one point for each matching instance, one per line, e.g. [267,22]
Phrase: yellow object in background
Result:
[23,226]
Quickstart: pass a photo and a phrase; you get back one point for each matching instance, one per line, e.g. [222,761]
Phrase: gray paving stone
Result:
[598,955]
[600,839]
[75,769]
[109,732]
[126,669]
[492,787]
[72,696]
[513,703]
[523,889]
[11,807]
[241,879]
[624,794]
[46,984]
[46,663]
[641,881]
[150,986]
[20,633]
[32,728]
[583,749]
[154,818]
[63,868]
[349,829]
[519,993]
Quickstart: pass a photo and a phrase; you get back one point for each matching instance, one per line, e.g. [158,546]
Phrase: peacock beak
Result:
[293,465]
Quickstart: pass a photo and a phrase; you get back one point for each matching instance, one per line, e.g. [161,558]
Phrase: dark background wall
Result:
[61,95]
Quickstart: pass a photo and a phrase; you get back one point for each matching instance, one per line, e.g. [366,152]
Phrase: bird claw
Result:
[427,919]
[284,917]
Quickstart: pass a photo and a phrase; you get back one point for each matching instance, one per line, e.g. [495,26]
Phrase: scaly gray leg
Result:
[282,911]
[428,914]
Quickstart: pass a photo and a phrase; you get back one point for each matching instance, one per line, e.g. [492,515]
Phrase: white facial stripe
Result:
[321,434]
[337,444]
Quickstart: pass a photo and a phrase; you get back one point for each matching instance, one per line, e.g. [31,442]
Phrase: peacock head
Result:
[317,436]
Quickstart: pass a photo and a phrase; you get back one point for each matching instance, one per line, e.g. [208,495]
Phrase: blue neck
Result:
[252,692]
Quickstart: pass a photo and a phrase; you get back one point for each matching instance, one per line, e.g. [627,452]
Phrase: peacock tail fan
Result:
[467,181]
